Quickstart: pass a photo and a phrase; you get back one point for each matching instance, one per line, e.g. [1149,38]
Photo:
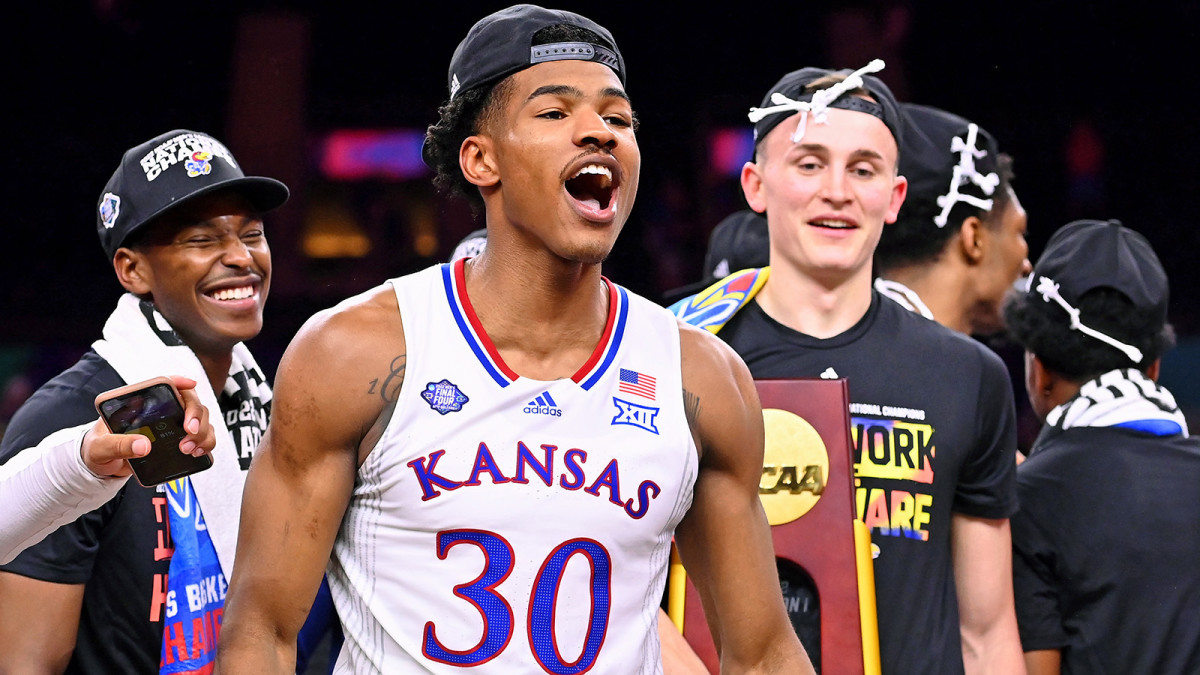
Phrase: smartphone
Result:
[153,409]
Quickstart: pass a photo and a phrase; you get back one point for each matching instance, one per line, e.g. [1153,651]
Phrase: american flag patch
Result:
[638,384]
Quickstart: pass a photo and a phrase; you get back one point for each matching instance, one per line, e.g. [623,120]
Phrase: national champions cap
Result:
[501,44]
[170,170]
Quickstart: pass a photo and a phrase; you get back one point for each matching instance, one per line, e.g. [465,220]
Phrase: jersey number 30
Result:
[498,615]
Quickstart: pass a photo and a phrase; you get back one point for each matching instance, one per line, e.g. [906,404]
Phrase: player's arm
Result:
[75,470]
[1043,662]
[724,539]
[49,485]
[982,553]
[39,621]
[327,408]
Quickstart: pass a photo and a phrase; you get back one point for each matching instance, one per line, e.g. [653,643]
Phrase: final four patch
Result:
[444,397]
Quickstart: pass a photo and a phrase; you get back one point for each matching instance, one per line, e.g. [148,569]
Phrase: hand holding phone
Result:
[153,409]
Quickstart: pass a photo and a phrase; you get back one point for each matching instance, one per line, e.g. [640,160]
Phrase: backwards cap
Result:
[501,44]
[1088,254]
[787,97]
[947,160]
[168,171]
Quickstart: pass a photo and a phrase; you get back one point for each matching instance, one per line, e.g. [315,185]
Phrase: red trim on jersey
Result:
[460,287]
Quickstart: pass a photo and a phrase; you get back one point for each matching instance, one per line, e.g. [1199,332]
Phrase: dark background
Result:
[1095,103]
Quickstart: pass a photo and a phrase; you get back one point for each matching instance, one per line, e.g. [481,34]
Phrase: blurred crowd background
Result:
[1095,102]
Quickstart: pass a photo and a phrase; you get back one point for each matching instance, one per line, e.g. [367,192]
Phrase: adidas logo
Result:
[829,374]
[543,405]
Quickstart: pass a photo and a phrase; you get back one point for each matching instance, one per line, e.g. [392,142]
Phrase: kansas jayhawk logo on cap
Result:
[198,164]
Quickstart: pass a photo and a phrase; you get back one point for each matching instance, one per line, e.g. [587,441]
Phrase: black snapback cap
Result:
[169,170]
[501,44]
[1087,254]
[792,87]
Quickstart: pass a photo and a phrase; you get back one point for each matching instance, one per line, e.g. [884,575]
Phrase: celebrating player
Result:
[498,451]
[182,227]
[932,411]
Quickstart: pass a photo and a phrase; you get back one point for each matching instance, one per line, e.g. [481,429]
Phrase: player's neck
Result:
[816,307]
[216,368]
[545,320]
[943,290]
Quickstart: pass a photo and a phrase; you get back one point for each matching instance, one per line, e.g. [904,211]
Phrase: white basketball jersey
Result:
[516,525]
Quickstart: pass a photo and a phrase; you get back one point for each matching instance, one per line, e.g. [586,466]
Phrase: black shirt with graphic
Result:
[933,425]
[120,551]
[1106,550]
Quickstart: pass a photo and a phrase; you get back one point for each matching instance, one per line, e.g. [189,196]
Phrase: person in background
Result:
[138,583]
[1106,541]
[958,243]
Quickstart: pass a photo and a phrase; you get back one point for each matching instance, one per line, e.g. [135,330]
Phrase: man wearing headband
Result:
[958,243]
[1106,542]
[497,451]
[932,412]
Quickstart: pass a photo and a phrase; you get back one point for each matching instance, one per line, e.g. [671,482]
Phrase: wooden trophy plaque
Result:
[822,551]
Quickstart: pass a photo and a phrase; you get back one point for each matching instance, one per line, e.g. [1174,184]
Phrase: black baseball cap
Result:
[937,142]
[501,44]
[1088,254]
[792,86]
[738,242]
[169,170]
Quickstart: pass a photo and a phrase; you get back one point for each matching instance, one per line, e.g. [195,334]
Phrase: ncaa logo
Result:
[543,405]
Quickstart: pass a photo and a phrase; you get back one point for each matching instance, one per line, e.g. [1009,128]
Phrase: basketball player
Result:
[932,412]
[498,451]
[958,243]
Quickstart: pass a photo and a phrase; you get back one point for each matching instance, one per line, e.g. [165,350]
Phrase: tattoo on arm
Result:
[691,407]
[388,387]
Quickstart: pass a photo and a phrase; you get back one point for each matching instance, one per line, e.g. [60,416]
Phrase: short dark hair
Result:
[1044,329]
[467,113]
[915,239]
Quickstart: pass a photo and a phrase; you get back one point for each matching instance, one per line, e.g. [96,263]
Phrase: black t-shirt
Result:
[1106,550]
[932,421]
[111,549]
[121,551]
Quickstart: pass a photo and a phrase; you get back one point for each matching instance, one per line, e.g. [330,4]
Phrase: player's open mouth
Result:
[592,187]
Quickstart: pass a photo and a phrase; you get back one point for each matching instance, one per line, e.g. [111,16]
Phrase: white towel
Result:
[139,344]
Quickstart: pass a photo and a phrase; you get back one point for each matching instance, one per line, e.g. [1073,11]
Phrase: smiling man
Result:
[115,590]
[497,451]
[932,413]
